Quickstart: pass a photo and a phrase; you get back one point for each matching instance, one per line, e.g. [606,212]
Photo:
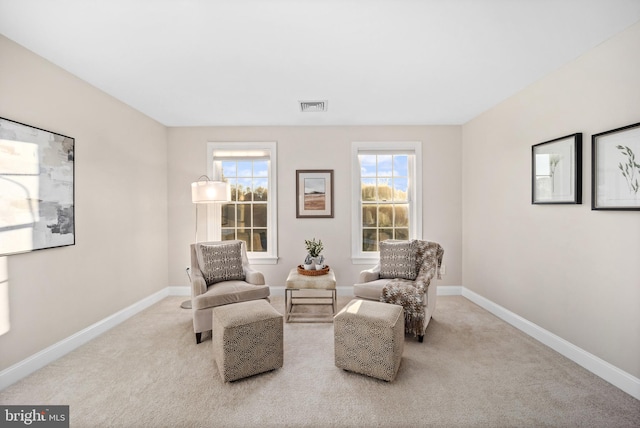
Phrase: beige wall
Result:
[571,270]
[120,206]
[320,148]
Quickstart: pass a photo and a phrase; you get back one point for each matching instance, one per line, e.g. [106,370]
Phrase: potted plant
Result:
[314,259]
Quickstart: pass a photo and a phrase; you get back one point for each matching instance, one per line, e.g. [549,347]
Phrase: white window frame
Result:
[214,215]
[415,192]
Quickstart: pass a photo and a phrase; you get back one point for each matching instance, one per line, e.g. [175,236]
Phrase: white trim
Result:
[12,374]
[615,376]
[214,216]
[415,170]
[373,260]
[262,260]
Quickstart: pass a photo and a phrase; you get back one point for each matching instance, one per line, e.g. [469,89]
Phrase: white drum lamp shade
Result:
[204,192]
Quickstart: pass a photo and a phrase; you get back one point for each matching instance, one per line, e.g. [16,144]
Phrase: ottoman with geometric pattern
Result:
[369,338]
[247,339]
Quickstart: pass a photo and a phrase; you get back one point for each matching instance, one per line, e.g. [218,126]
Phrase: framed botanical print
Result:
[615,169]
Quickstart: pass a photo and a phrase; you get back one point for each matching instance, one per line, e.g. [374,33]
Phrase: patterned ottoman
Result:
[247,339]
[369,338]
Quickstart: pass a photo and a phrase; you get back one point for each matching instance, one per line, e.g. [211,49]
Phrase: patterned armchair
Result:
[403,277]
[221,275]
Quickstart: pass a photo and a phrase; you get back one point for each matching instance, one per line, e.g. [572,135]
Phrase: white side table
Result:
[298,282]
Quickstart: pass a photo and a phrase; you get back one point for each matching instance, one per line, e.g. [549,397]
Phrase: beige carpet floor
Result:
[473,370]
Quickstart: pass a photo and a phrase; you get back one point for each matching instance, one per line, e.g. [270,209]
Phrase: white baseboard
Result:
[35,362]
[619,378]
[608,372]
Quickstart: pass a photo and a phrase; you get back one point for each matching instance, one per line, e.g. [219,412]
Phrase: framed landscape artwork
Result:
[314,193]
[556,166]
[36,188]
[615,169]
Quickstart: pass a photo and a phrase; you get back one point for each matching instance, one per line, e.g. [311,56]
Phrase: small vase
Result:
[319,262]
[308,267]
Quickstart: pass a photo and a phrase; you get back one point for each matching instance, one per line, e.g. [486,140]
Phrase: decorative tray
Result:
[303,271]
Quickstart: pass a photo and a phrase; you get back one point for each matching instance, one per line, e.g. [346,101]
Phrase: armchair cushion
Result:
[229,292]
[371,290]
[221,262]
[398,259]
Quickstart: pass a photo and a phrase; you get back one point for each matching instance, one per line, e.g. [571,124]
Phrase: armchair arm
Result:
[370,274]
[198,284]
[252,276]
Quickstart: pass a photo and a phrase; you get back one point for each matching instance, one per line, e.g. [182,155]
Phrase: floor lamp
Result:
[207,191]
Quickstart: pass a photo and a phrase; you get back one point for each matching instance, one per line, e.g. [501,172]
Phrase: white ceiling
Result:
[249,62]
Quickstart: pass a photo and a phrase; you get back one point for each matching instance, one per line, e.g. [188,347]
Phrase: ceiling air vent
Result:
[313,106]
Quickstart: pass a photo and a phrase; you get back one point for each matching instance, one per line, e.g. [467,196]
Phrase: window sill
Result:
[262,260]
[365,260]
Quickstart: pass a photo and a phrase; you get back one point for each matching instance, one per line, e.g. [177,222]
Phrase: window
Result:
[250,216]
[387,200]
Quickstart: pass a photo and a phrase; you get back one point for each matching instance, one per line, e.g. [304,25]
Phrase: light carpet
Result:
[473,370]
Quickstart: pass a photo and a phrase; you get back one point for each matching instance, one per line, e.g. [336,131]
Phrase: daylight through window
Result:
[385,180]
[250,215]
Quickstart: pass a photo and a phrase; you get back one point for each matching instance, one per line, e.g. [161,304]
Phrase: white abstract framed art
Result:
[36,188]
